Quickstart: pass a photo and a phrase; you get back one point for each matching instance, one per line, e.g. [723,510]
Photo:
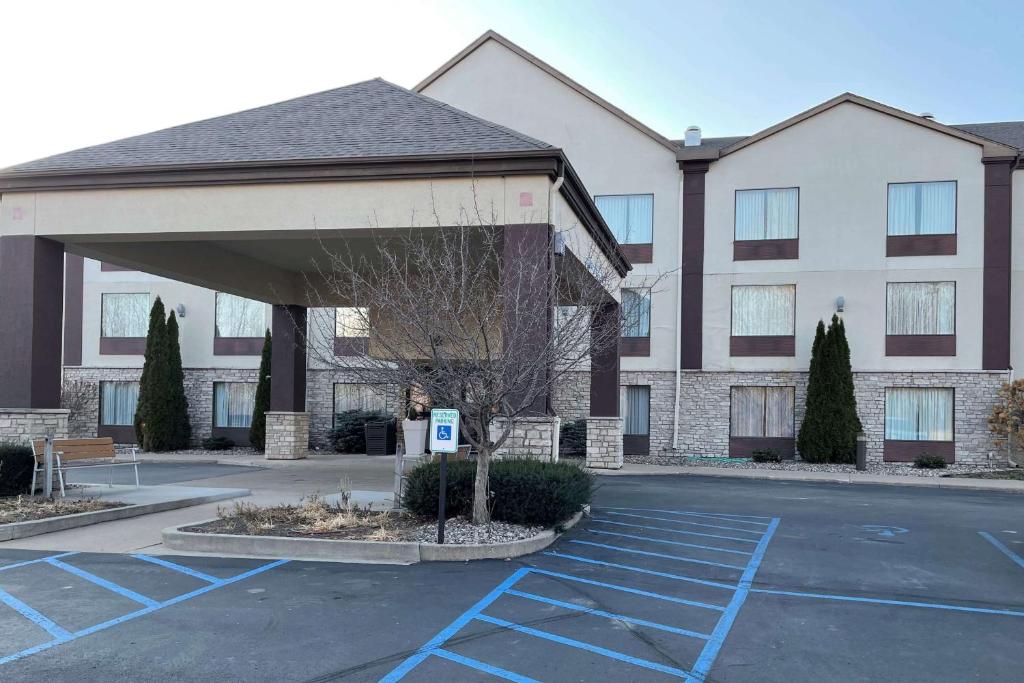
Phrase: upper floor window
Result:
[351,321]
[124,315]
[636,313]
[920,308]
[772,214]
[239,317]
[922,208]
[630,216]
[233,404]
[763,310]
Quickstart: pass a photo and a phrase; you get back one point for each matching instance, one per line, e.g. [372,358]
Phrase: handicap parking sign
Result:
[444,435]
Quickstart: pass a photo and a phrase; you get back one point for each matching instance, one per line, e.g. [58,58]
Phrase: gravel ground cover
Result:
[888,468]
[24,508]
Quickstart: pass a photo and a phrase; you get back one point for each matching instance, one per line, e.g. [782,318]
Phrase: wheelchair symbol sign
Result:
[444,433]
[445,430]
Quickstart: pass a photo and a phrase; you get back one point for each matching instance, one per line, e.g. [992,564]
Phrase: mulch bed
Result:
[24,509]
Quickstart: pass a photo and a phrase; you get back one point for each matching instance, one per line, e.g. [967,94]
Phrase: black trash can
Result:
[381,438]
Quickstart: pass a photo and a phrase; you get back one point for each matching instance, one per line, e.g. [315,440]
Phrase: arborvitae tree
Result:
[155,340]
[845,400]
[258,428]
[830,427]
[813,439]
[181,428]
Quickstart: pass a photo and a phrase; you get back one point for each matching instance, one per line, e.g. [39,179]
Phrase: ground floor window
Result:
[636,410]
[358,397]
[765,412]
[117,403]
[233,403]
[919,414]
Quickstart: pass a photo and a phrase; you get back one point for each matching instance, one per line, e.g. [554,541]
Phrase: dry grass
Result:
[26,508]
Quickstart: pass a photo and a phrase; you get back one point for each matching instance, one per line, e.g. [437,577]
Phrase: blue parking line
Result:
[1002,548]
[620,549]
[686,521]
[138,613]
[35,561]
[607,615]
[99,581]
[673,531]
[432,645]
[894,603]
[627,589]
[666,542]
[483,666]
[176,567]
[37,618]
[720,518]
[640,570]
[611,654]
[694,512]
[707,657]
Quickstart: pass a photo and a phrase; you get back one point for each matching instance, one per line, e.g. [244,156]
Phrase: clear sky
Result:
[81,73]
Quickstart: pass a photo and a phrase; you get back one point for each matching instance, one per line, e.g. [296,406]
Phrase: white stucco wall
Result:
[842,160]
[610,155]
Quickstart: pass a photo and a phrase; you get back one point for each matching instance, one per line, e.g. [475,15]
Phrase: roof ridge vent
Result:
[692,137]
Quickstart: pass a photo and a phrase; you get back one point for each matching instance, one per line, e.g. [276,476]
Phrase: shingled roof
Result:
[371,119]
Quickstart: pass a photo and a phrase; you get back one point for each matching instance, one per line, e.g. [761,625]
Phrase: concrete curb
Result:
[36,527]
[1003,485]
[361,552]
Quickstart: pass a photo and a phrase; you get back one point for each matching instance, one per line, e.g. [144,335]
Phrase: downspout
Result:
[556,244]
[679,323]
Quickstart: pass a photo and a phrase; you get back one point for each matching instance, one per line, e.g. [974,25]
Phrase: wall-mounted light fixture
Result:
[180,309]
[840,304]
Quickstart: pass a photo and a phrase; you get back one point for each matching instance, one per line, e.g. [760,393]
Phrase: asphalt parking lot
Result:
[672,578]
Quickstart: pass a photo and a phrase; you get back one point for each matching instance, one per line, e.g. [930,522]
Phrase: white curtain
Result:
[124,315]
[240,317]
[352,321]
[630,217]
[767,214]
[358,397]
[117,403]
[919,414]
[920,308]
[763,310]
[233,403]
[636,313]
[636,410]
[762,412]
[922,208]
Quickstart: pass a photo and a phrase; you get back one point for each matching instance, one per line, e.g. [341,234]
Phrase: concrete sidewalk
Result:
[827,477]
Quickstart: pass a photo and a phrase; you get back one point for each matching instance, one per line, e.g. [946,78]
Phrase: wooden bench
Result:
[80,451]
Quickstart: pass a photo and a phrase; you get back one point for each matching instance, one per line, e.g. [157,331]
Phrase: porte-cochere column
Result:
[287,419]
[604,425]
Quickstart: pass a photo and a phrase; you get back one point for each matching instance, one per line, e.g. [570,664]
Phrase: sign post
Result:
[444,439]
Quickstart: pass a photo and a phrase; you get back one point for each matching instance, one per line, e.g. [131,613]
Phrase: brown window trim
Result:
[111,268]
[240,435]
[119,433]
[765,250]
[122,346]
[908,451]
[636,444]
[744,446]
[351,346]
[638,253]
[781,346]
[920,345]
[920,245]
[237,346]
[634,346]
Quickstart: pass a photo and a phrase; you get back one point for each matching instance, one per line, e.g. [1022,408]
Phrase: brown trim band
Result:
[74,284]
[237,346]
[920,245]
[351,346]
[784,345]
[996,276]
[744,446]
[920,344]
[119,433]
[638,253]
[908,451]
[691,315]
[122,346]
[634,346]
[765,250]
[240,435]
[634,444]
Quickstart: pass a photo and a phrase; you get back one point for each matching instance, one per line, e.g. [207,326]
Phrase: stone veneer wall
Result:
[21,425]
[571,396]
[533,437]
[320,402]
[604,442]
[704,408]
[287,435]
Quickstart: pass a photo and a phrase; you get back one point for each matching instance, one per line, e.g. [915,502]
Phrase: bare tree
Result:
[76,397]
[478,317]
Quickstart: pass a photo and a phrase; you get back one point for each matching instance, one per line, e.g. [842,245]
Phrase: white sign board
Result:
[444,430]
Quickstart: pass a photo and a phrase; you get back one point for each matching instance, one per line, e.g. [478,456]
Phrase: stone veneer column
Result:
[287,419]
[604,442]
[604,426]
[287,435]
[531,437]
[21,425]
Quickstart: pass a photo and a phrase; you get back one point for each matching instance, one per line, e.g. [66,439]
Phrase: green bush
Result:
[16,463]
[766,455]
[258,428]
[218,443]
[572,438]
[523,490]
[927,461]
[348,435]
[830,426]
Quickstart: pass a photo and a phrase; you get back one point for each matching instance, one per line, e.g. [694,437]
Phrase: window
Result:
[920,308]
[763,310]
[117,403]
[636,313]
[239,317]
[358,397]
[636,410]
[352,322]
[763,412]
[922,208]
[124,315]
[630,216]
[919,414]
[767,214]
[233,403]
